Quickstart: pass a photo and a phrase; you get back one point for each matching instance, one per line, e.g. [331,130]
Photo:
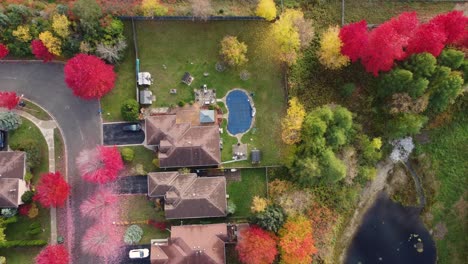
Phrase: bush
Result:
[27,197]
[368,173]
[2,260]
[451,58]
[127,154]
[31,147]
[272,219]
[22,243]
[348,89]
[28,177]
[231,207]
[181,103]
[9,212]
[130,110]
[34,225]
[33,212]
[155,162]
[33,232]
[133,234]
[10,220]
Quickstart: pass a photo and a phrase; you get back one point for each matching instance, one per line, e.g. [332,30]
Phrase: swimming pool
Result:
[240,112]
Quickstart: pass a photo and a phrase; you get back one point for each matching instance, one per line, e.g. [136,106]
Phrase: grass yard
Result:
[36,111]
[170,48]
[139,208]
[447,154]
[143,156]
[253,183]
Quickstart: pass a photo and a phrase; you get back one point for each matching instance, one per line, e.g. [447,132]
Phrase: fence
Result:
[191,18]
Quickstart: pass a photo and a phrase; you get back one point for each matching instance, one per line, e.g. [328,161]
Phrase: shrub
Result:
[231,207]
[8,212]
[33,211]
[127,154]
[451,58]
[367,173]
[259,204]
[34,225]
[28,177]
[133,234]
[272,219]
[181,103]
[155,162]
[27,197]
[24,209]
[9,121]
[348,89]
[22,243]
[31,147]
[130,110]
[33,232]
[2,260]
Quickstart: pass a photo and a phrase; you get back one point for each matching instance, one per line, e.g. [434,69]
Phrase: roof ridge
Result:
[209,198]
[11,162]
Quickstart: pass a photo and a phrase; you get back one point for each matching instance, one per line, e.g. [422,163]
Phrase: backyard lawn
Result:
[143,157]
[169,49]
[253,183]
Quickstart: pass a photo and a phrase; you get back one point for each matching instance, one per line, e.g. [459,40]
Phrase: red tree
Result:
[355,39]
[40,51]
[257,246]
[53,254]
[102,240]
[101,205]
[89,77]
[453,24]
[100,165]
[428,38]
[3,51]
[52,190]
[296,241]
[9,100]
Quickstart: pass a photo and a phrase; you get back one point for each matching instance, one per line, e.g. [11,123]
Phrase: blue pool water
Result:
[240,112]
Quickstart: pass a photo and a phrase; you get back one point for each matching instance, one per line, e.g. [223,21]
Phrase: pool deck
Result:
[226,115]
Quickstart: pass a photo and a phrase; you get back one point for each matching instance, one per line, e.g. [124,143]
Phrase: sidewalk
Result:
[47,130]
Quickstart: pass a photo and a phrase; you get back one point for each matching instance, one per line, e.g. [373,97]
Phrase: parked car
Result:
[3,142]
[138,253]
[132,128]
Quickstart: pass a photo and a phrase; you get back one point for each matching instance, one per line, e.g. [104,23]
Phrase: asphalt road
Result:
[115,135]
[79,120]
[133,185]
[127,260]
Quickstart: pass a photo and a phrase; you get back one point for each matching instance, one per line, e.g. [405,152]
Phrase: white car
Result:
[138,253]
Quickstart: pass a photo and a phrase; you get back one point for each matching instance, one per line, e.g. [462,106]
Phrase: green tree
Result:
[370,149]
[334,169]
[130,110]
[406,124]
[127,154]
[401,80]
[451,58]
[233,51]
[89,12]
[445,90]
[27,197]
[421,65]
[9,121]
[266,9]
[271,219]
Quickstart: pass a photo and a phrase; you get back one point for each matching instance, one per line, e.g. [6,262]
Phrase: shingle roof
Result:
[189,196]
[207,116]
[183,145]
[12,164]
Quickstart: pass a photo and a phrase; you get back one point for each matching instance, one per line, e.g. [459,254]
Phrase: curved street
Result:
[79,120]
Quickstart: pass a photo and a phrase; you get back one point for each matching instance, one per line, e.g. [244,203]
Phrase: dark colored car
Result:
[132,128]
[3,143]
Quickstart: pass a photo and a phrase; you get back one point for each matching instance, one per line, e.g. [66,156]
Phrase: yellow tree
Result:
[53,44]
[233,51]
[22,33]
[60,25]
[266,9]
[153,8]
[287,36]
[296,241]
[330,50]
[259,204]
[292,122]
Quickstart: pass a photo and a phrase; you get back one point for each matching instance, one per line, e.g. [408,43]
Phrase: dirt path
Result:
[367,199]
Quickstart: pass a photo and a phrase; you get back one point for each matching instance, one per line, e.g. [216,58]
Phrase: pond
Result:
[240,112]
[391,233]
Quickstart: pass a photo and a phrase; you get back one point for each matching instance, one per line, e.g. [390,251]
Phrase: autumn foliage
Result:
[9,100]
[257,246]
[89,77]
[296,241]
[53,254]
[52,190]
[400,37]
[100,165]
[3,51]
[101,205]
[102,240]
[40,51]
[292,123]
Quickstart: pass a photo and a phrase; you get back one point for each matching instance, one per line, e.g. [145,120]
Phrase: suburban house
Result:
[182,142]
[12,183]
[195,244]
[187,195]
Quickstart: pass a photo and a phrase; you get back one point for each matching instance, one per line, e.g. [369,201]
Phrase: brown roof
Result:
[183,144]
[12,164]
[189,196]
[192,244]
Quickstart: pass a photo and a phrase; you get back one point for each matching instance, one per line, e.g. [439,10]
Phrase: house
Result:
[189,196]
[183,144]
[12,183]
[194,244]
[187,78]
[207,116]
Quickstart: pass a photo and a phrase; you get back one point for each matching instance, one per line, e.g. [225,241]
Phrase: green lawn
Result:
[144,157]
[36,111]
[447,153]
[138,208]
[168,49]
[253,183]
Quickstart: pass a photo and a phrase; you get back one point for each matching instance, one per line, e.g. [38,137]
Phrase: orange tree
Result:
[296,241]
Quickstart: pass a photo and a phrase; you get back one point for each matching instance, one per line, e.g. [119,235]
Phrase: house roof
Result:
[207,116]
[182,144]
[12,164]
[11,191]
[255,155]
[189,196]
[192,244]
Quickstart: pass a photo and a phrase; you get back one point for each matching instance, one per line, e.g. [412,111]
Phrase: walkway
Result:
[47,130]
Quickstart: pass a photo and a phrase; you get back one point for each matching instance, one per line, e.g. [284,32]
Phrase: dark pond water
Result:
[388,234]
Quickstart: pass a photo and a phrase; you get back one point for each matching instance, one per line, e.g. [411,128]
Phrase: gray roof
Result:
[146,97]
[12,164]
[255,155]
[207,116]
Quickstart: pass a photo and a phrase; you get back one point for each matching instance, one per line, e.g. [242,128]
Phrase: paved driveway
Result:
[127,260]
[44,84]
[133,185]
[115,135]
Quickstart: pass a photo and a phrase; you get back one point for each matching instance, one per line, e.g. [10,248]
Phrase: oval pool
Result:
[240,112]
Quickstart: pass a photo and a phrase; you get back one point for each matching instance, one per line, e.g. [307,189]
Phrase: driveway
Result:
[133,185]
[127,260]
[115,135]
[79,120]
